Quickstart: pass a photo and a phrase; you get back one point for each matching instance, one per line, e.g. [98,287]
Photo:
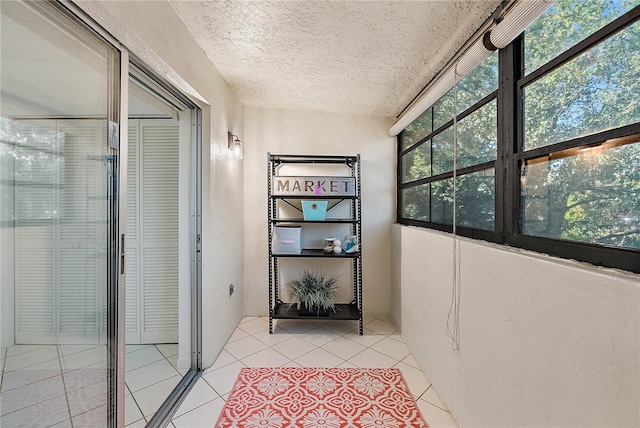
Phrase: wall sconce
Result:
[235,145]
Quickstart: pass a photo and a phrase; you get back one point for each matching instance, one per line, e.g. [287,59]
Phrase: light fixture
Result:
[234,145]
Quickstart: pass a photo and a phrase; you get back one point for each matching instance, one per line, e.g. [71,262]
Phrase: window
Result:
[596,90]
[590,194]
[427,166]
[580,161]
[562,174]
[419,128]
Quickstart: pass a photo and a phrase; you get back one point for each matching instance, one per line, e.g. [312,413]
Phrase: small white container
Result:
[328,245]
[286,240]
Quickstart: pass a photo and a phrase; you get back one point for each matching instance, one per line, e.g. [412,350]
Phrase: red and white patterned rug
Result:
[320,398]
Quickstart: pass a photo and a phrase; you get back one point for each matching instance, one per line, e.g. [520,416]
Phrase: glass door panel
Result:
[58,124]
[157,141]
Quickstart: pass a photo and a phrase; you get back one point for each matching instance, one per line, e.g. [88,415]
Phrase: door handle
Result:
[122,265]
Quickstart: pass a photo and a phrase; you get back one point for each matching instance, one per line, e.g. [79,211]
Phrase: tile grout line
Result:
[31,365]
[167,359]
[436,406]
[340,336]
[40,347]
[155,383]
[335,336]
[64,386]
[271,348]
[133,397]
[154,362]
[201,405]
[433,404]
[4,360]
[365,348]
[63,392]
[212,387]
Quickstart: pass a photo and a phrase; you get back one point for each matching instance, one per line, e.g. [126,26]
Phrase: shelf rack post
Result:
[344,311]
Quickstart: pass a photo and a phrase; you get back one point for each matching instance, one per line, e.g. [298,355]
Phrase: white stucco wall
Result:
[543,341]
[165,44]
[295,132]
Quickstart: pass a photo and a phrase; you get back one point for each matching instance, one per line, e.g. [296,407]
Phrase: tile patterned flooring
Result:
[151,374]
[63,385]
[52,385]
[307,344]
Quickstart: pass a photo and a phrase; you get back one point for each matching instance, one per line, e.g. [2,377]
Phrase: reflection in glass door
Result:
[158,162]
[58,125]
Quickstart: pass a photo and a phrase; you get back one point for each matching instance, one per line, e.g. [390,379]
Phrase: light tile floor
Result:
[151,374]
[307,344]
[53,385]
[65,385]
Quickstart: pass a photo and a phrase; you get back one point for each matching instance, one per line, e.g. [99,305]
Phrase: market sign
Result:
[313,186]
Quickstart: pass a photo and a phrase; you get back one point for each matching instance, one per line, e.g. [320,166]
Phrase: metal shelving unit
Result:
[278,309]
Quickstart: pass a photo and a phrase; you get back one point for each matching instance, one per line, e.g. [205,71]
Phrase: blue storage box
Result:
[314,210]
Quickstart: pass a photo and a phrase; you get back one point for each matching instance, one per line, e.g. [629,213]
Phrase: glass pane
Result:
[596,91]
[443,151]
[593,196]
[478,136]
[478,84]
[475,200]
[475,86]
[419,128]
[565,24]
[54,176]
[443,110]
[152,257]
[415,202]
[417,163]
[442,201]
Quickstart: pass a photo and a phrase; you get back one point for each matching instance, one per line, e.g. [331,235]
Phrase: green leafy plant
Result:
[314,290]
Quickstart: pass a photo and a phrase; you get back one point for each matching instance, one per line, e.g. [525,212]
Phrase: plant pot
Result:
[312,311]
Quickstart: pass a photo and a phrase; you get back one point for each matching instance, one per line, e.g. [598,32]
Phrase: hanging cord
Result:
[453,317]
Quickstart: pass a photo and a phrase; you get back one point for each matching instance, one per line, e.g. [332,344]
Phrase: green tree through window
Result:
[587,194]
[574,176]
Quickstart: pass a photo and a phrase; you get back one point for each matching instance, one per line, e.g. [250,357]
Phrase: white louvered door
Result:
[82,267]
[132,312]
[152,244]
[61,227]
[37,169]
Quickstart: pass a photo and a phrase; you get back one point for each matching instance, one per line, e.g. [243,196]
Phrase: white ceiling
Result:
[362,57]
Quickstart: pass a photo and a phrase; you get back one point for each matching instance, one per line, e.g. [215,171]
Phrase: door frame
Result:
[116,289]
[150,80]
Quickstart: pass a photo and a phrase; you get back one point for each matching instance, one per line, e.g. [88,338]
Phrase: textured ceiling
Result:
[362,57]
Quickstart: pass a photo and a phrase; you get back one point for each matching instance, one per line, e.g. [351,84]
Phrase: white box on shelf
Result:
[286,240]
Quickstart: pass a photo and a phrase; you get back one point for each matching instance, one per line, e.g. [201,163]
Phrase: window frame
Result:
[510,156]
[484,234]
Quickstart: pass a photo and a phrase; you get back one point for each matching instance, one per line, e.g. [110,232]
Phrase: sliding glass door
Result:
[59,136]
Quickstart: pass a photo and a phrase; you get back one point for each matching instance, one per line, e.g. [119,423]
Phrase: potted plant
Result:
[314,292]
